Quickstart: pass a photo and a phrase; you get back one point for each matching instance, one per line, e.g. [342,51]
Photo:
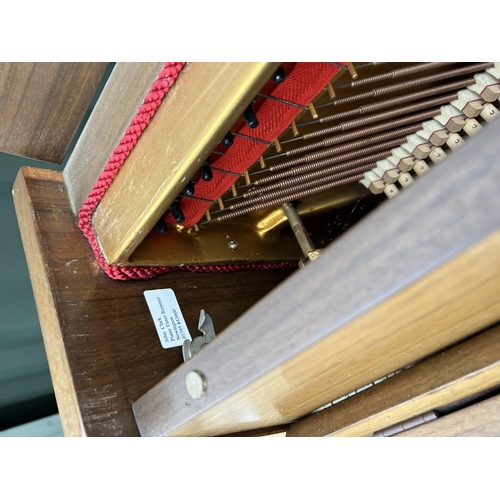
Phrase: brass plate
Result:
[260,237]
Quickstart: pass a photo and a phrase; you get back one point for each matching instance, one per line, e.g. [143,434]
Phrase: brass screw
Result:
[313,255]
[233,245]
[352,70]
[196,384]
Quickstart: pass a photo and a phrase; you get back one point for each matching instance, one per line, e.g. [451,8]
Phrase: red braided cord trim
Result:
[151,102]
[301,86]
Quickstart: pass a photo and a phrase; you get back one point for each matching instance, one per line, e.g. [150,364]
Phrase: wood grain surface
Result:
[101,343]
[41,282]
[479,420]
[450,376]
[198,111]
[125,90]
[42,105]
[416,275]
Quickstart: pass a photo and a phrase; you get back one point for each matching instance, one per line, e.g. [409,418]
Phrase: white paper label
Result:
[167,316]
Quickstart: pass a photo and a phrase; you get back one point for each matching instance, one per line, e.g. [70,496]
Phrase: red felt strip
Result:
[301,86]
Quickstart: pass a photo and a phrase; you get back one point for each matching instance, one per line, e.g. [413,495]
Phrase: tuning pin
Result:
[227,140]
[250,118]
[176,212]
[161,227]
[279,76]
[205,171]
[188,189]
[331,90]
[352,70]
[313,111]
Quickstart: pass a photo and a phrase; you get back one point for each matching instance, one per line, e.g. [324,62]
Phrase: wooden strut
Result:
[459,372]
[413,277]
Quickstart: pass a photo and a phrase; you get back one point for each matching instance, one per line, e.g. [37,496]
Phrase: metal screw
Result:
[196,384]
[492,111]
[313,255]
[233,245]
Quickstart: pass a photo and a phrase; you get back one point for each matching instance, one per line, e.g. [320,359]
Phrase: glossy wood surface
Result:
[42,105]
[416,275]
[101,343]
[461,371]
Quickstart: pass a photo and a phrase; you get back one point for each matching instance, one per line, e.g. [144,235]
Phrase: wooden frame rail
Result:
[457,373]
[197,112]
[479,420]
[413,277]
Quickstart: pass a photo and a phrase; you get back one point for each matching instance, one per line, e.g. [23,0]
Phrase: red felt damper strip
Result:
[301,86]
[300,89]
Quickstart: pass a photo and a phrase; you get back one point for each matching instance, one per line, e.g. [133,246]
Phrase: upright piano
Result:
[328,231]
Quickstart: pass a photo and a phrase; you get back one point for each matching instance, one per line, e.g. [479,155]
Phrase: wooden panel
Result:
[459,372]
[45,302]
[118,103]
[42,104]
[199,109]
[479,420]
[26,391]
[416,275]
[101,343]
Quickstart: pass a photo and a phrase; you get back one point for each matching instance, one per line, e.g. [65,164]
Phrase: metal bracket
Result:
[205,326]
[300,232]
